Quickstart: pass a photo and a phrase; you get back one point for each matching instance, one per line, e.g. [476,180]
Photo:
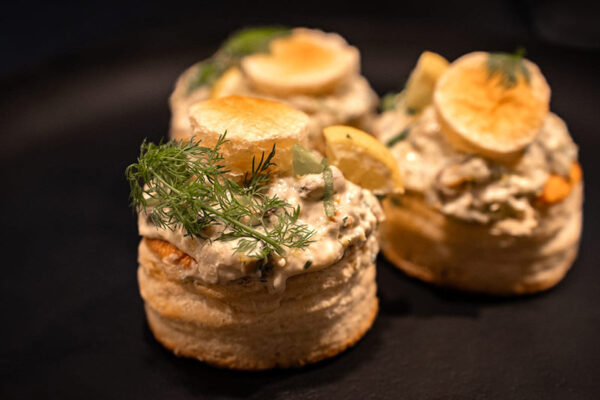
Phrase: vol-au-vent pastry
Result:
[308,69]
[493,199]
[255,252]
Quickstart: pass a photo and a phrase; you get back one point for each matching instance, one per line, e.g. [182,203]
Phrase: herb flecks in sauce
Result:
[399,137]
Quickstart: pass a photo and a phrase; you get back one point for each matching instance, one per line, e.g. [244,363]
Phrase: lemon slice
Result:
[493,105]
[231,82]
[422,80]
[309,62]
[363,159]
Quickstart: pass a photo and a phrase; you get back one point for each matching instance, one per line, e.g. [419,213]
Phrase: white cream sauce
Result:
[473,188]
[357,217]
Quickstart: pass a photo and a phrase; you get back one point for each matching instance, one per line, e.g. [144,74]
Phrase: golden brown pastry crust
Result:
[429,246]
[243,325]
[252,127]
[162,331]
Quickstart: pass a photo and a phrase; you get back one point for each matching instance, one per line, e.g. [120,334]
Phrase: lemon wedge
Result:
[363,159]
[422,80]
[491,104]
[230,83]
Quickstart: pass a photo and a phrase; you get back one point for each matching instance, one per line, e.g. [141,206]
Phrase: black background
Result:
[83,83]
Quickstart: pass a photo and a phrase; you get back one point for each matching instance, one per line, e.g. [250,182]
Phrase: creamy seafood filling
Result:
[353,227]
[476,189]
[348,102]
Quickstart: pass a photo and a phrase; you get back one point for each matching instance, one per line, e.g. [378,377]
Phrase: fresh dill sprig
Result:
[183,184]
[508,67]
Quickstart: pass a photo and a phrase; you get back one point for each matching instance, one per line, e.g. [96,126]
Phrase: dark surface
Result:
[72,320]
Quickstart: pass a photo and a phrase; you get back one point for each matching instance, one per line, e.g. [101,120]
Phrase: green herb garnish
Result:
[239,44]
[396,201]
[508,67]
[251,40]
[304,163]
[328,203]
[399,137]
[307,264]
[388,102]
[184,185]
[208,72]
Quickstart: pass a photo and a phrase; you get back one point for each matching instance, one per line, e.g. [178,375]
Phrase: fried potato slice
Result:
[493,114]
[309,62]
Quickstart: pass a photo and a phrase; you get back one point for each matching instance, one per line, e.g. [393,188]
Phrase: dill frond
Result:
[183,184]
[508,67]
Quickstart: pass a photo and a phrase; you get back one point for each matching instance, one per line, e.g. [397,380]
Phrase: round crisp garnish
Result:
[253,126]
[363,159]
[492,104]
[306,62]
